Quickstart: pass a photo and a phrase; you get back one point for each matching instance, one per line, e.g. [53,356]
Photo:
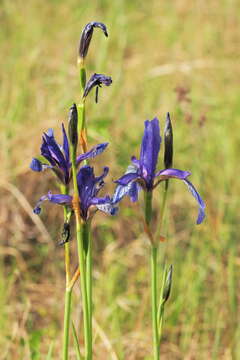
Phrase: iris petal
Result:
[36,165]
[127,178]
[55,150]
[96,150]
[108,208]
[201,209]
[173,173]
[56,199]
[149,150]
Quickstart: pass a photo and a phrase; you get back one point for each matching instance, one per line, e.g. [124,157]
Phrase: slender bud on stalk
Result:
[167,285]
[168,143]
[72,126]
[87,36]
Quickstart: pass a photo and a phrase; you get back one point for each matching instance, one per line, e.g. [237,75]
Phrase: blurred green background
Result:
[179,56]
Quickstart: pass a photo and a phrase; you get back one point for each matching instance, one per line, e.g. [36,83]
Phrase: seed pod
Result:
[168,143]
[72,125]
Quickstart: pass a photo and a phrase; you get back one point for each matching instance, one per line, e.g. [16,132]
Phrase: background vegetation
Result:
[180,56]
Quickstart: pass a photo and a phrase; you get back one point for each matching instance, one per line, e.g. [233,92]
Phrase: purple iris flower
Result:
[88,188]
[57,158]
[142,173]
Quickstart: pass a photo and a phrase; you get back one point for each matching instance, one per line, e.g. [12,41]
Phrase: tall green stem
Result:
[80,243]
[67,312]
[87,335]
[68,291]
[89,277]
[154,250]
[160,223]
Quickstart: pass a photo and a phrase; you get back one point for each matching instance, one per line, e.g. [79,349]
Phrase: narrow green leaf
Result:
[76,343]
[50,351]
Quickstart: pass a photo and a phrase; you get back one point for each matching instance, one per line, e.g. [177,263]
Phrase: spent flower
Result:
[87,36]
[96,80]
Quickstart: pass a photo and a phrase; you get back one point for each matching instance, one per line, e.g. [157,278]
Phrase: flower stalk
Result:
[154,275]
[68,290]
[67,313]
[80,244]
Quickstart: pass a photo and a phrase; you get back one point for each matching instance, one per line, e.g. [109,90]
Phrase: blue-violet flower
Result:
[57,158]
[88,188]
[142,173]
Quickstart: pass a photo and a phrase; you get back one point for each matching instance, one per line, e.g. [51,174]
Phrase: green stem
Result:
[160,324]
[89,278]
[82,268]
[154,250]
[148,206]
[154,301]
[67,312]
[82,77]
[68,291]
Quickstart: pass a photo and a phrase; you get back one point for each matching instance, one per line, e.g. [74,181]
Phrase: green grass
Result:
[154,47]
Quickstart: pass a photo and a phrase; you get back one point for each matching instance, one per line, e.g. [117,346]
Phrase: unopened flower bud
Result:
[168,143]
[87,36]
[72,125]
[167,285]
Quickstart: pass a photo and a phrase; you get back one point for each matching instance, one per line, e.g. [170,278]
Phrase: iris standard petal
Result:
[149,150]
[55,151]
[96,150]
[46,152]
[173,173]
[201,209]
[127,178]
